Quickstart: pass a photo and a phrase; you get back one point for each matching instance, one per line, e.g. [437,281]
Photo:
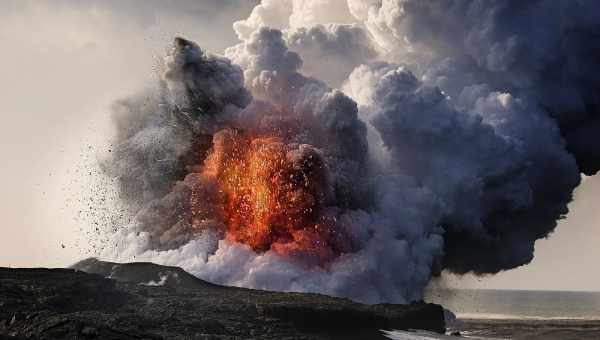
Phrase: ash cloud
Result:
[454,140]
[542,50]
[489,168]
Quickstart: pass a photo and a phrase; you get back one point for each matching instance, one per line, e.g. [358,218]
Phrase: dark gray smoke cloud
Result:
[544,50]
[541,54]
[457,142]
[489,168]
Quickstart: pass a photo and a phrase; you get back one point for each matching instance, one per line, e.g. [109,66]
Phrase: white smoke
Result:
[450,146]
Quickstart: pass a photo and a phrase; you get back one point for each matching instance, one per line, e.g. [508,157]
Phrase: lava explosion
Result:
[271,195]
[436,139]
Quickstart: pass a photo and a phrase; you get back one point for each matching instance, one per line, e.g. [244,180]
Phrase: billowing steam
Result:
[442,135]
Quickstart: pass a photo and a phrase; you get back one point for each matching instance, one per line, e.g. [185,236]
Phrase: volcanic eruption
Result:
[270,195]
[432,154]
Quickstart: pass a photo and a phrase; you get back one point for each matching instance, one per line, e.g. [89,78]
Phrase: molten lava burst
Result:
[272,195]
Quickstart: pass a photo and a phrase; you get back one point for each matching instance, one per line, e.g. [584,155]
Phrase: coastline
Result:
[512,328]
[510,317]
[529,328]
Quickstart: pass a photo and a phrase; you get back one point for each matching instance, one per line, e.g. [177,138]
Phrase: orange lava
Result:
[272,195]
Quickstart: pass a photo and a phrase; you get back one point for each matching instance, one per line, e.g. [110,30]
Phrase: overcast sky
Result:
[64,63]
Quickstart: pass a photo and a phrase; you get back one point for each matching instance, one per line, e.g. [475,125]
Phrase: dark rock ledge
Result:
[148,301]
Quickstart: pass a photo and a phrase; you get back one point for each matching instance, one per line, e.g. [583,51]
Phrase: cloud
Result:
[452,144]
[331,52]
[540,50]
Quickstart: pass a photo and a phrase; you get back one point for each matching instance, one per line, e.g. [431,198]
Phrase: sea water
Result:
[516,314]
[506,304]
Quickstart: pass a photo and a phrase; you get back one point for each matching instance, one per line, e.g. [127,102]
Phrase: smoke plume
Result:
[359,148]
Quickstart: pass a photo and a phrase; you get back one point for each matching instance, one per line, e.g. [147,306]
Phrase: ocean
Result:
[516,314]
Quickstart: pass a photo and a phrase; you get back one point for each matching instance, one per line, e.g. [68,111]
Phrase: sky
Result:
[64,64]
[567,260]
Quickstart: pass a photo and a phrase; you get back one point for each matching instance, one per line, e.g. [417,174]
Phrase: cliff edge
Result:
[103,300]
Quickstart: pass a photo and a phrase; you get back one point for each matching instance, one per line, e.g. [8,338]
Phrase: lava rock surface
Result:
[103,300]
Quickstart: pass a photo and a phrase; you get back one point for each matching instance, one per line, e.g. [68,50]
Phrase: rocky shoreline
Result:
[105,300]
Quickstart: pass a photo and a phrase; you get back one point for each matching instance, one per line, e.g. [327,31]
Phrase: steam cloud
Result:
[451,136]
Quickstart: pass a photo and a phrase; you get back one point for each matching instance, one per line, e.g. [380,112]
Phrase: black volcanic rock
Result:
[148,301]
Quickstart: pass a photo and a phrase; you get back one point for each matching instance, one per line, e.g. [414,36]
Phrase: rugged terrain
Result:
[104,300]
